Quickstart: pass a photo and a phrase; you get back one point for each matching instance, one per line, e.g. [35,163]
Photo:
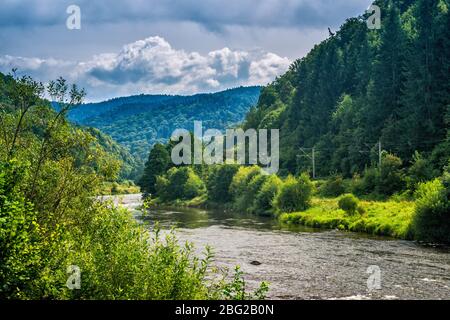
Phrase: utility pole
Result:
[312,157]
[313,163]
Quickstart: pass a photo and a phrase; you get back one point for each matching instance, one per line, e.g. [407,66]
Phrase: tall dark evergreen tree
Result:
[157,164]
[384,91]
[427,87]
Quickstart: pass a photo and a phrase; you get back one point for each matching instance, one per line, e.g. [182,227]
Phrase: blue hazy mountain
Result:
[137,122]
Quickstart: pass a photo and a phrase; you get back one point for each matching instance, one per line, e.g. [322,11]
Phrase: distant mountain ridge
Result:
[137,122]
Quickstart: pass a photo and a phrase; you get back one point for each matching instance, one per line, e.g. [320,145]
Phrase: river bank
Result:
[388,218]
[307,263]
[381,218]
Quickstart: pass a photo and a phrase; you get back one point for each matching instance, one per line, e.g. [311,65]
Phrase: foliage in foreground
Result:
[432,219]
[49,221]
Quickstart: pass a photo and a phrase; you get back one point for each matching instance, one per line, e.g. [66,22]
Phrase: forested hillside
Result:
[361,87]
[111,149]
[138,122]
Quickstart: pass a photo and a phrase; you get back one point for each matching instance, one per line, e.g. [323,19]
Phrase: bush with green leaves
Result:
[119,259]
[420,171]
[391,179]
[236,289]
[333,187]
[264,200]
[367,184]
[179,184]
[244,187]
[384,181]
[252,191]
[219,182]
[242,178]
[431,221]
[295,194]
[349,203]
[19,233]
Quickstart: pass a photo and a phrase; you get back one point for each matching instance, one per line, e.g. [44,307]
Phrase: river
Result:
[303,263]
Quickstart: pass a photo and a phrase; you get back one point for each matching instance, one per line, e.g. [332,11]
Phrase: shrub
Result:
[333,187]
[391,176]
[161,188]
[253,189]
[179,183]
[20,248]
[263,204]
[194,186]
[385,181]
[295,194]
[349,203]
[115,188]
[431,221]
[420,171]
[219,182]
[367,184]
[242,179]
[249,186]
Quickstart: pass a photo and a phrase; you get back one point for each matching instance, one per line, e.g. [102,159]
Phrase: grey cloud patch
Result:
[152,65]
[214,15]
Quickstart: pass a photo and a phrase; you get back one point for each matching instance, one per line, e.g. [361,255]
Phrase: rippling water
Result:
[302,263]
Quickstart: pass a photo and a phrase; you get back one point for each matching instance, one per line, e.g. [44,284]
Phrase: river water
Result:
[303,263]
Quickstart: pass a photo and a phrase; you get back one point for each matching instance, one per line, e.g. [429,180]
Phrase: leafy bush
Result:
[253,189]
[235,290]
[367,184]
[295,194]
[121,260]
[384,181]
[432,217]
[19,236]
[219,182]
[263,204]
[161,188]
[241,190]
[179,183]
[242,178]
[333,187]
[349,203]
[391,176]
[194,186]
[420,171]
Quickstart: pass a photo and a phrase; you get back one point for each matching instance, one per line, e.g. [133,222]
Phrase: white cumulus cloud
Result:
[152,65]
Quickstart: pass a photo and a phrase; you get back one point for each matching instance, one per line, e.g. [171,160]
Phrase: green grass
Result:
[389,218]
[197,202]
[115,188]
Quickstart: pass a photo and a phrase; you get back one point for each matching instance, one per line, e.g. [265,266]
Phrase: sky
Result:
[164,46]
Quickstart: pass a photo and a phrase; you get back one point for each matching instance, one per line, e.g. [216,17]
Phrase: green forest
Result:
[373,107]
[361,87]
[138,122]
